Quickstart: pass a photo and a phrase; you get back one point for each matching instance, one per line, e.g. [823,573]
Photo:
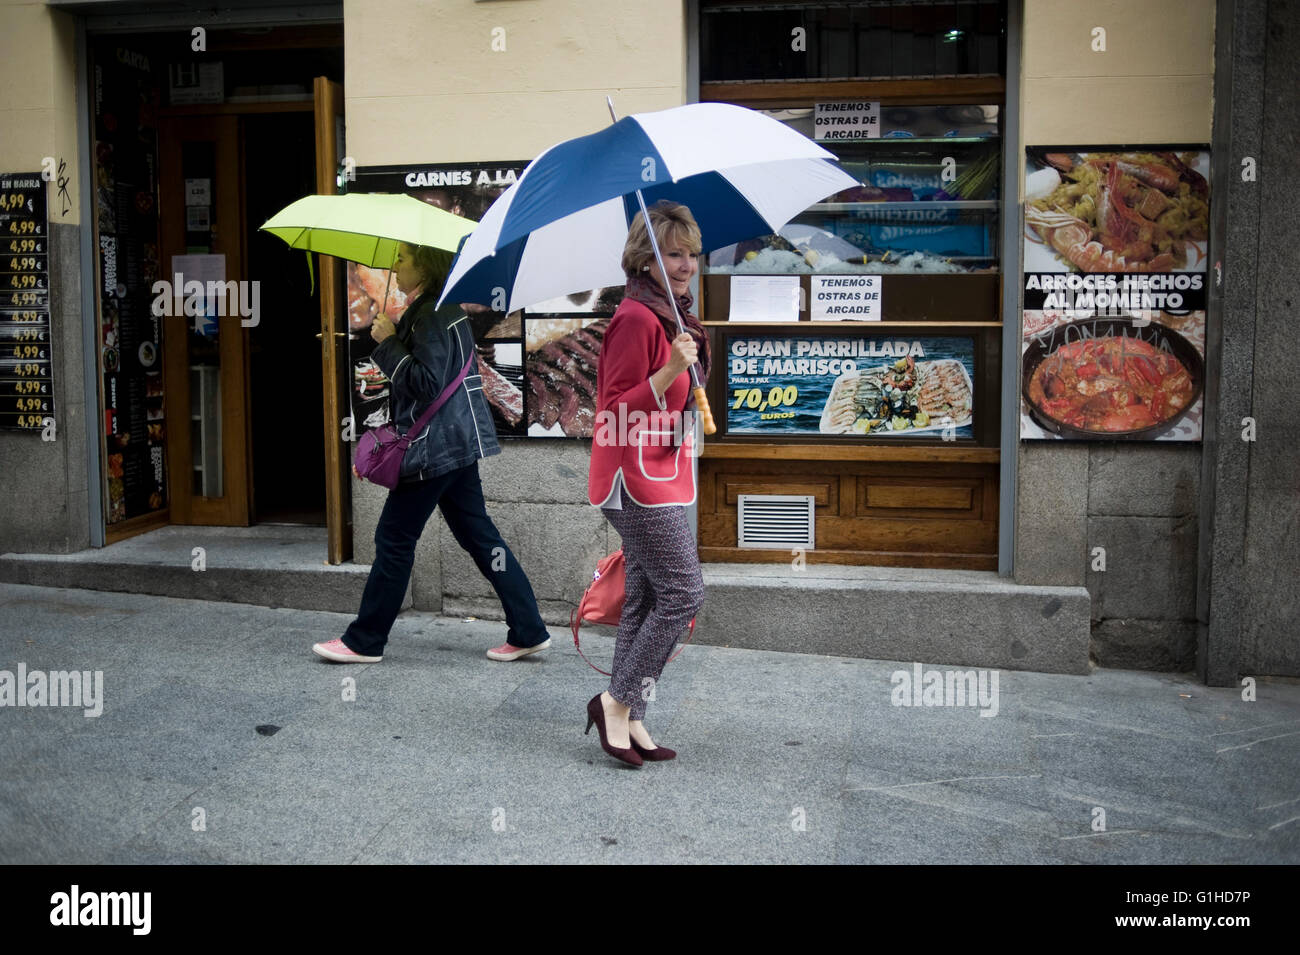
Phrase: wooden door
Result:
[333,333]
[205,358]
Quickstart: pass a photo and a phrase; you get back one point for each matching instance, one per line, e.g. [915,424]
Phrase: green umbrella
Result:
[366,227]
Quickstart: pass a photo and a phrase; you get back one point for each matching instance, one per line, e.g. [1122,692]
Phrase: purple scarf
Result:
[651,294]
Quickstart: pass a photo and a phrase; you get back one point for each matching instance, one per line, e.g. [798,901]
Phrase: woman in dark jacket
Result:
[440,469]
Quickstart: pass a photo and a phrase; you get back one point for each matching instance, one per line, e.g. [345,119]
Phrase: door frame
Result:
[233,508]
[334,333]
[327,106]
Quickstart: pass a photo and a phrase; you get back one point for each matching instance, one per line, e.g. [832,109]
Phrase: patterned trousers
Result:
[664,591]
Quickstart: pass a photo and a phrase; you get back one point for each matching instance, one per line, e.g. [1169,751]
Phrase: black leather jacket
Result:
[428,351]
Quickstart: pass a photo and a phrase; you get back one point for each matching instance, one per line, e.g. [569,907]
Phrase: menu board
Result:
[26,381]
[1116,281]
[867,386]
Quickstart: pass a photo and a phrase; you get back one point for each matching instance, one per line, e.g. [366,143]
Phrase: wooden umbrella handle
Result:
[706,416]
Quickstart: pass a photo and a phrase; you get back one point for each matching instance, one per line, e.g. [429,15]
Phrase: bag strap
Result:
[575,622]
[442,399]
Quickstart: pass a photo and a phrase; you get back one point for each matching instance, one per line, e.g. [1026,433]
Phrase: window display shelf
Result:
[915,204]
[924,204]
[750,448]
[805,324]
[902,141]
[922,298]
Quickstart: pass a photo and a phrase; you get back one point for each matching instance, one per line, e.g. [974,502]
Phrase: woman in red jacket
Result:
[642,470]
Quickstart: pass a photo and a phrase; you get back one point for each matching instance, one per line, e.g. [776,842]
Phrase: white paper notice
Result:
[839,298]
[200,268]
[198,192]
[764,298]
[846,120]
[207,271]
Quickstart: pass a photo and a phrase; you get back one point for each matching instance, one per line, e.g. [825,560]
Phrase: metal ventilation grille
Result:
[775,520]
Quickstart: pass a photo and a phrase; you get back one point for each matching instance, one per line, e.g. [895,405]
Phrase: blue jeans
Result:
[407,510]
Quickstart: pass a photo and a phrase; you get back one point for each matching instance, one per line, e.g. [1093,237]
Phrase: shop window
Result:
[927,202]
[877,40]
[858,351]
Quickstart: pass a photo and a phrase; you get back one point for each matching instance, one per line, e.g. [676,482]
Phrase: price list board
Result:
[26,380]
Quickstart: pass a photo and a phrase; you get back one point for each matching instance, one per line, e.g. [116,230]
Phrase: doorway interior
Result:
[285,378]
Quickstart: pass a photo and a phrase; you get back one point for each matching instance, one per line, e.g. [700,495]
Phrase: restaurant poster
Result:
[26,381]
[870,386]
[126,209]
[563,338]
[1116,273]
[539,364]
[464,189]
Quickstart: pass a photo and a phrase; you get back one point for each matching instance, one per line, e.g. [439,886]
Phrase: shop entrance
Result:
[246,335]
[247,380]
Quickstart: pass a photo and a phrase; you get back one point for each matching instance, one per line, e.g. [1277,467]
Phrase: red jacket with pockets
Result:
[635,434]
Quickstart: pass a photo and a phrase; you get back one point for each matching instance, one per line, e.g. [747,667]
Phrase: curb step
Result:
[948,617]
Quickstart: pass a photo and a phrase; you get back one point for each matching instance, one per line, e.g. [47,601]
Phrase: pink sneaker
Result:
[508,652]
[338,651]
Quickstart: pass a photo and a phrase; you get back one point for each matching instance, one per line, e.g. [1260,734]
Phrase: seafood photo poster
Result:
[862,385]
[465,189]
[1116,269]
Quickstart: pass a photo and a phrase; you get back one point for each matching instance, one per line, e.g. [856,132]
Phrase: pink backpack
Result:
[603,603]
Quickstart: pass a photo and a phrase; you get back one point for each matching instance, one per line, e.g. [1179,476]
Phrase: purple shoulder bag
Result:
[381,450]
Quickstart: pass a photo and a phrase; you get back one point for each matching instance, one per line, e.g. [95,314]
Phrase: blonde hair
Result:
[673,225]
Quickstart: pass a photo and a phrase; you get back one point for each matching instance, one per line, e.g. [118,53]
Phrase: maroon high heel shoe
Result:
[656,755]
[596,714]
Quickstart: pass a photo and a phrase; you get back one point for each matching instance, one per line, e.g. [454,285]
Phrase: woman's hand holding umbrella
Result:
[382,328]
[685,353]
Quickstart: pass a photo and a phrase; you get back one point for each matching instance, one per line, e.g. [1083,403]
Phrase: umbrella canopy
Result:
[562,226]
[366,227]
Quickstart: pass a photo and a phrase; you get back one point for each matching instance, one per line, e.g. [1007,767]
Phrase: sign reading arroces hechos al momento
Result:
[26,382]
[1115,287]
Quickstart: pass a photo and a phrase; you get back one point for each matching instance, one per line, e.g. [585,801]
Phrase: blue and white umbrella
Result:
[561,228]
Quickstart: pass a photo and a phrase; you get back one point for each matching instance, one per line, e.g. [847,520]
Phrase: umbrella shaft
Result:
[681,327]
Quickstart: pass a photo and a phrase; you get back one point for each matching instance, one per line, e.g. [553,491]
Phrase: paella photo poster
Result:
[856,385]
[464,189]
[1116,269]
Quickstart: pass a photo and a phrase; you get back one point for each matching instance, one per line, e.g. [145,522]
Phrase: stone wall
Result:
[44,505]
[1142,510]
[1250,489]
